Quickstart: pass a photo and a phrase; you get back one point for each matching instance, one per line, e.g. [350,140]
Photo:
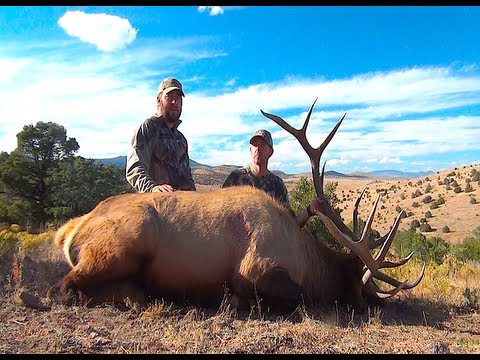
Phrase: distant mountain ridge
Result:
[384,174]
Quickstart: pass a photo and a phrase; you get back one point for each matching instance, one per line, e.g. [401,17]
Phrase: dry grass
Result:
[435,317]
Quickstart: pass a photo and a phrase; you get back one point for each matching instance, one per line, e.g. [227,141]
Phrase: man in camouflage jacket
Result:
[257,174]
[158,156]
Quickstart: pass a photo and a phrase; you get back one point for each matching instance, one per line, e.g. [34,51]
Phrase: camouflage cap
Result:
[265,135]
[170,84]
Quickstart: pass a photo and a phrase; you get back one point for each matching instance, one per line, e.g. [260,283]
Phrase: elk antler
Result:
[338,228]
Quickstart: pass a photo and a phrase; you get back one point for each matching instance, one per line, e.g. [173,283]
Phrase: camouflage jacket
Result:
[158,155]
[270,183]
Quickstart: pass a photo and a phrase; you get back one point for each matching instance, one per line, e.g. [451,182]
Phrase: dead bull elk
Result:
[191,245]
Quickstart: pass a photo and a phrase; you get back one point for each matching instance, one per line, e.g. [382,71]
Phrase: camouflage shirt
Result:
[270,183]
[158,155]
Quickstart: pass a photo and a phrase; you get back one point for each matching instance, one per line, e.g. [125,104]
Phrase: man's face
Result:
[260,151]
[170,106]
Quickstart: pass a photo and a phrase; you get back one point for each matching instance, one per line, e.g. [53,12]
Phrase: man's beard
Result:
[169,117]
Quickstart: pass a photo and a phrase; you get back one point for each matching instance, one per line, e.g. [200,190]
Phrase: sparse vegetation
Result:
[416,193]
[414,224]
[468,187]
[427,199]
[425,227]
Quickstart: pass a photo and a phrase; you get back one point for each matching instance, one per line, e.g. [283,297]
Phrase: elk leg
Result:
[278,290]
[118,292]
[98,268]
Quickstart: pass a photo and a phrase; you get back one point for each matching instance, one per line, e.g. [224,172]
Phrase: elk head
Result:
[357,243]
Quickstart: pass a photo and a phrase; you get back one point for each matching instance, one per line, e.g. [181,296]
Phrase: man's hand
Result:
[163,188]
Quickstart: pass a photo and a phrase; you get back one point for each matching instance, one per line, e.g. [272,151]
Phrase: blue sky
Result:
[407,77]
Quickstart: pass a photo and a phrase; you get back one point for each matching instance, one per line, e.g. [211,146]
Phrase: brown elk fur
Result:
[190,245]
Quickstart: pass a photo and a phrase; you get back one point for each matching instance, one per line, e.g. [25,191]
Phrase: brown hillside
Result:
[461,217]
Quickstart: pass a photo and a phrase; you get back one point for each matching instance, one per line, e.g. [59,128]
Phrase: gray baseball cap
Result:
[170,84]
[265,135]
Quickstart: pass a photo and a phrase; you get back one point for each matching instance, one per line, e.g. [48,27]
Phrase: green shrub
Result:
[457,190]
[427,199]
[432,250]
[468,188]
[434,205]
[472,298]
[414,224]
[437,248]
[473,200]
[417,193]
[428,214]
[301,196]
[15,228]
[446,229]
[425,227]
[468,249]
[8,241]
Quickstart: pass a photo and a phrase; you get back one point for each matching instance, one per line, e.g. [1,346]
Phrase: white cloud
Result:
[10,69]
[106,32]
[392,117]
[213,10]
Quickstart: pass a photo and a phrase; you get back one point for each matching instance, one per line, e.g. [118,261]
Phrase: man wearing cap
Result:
[157,159]
[257,174]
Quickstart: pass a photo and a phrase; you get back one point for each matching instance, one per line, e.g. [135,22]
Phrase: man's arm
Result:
[231,179]
[189,169]
[138,161]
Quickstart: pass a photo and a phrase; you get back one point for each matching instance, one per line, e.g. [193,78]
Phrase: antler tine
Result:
[394,282]
[377,242]
[314,155]
[301,135]
[385,264]
[318,151]
[392,264]
[369,221]
[321,177]
[383,251]
[355,212]
[383,294]
[358,248]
